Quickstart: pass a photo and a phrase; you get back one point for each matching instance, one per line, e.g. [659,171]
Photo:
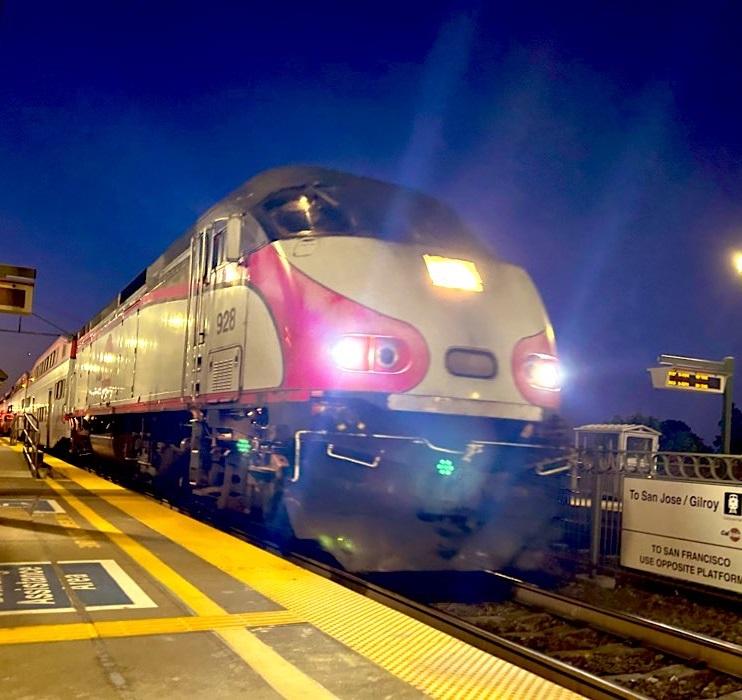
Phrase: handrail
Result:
[26,429]
[473,448]
[343,458]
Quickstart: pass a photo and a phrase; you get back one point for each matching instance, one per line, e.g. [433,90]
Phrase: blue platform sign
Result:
[31,587]
[35,587]
[93,585]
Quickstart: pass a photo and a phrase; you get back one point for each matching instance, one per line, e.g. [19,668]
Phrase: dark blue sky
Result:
[599,147]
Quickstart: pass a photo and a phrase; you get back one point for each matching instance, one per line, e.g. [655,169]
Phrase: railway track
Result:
[643,656]
[640,657]
[594,651]
[716,654]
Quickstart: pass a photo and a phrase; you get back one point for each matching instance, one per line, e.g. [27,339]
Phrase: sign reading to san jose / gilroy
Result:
[684,530]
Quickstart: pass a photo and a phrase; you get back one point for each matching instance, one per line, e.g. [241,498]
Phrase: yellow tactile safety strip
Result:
[76,631]
[283,676]
[428,659]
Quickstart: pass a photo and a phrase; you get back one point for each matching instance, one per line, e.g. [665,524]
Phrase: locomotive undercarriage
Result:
[376,490]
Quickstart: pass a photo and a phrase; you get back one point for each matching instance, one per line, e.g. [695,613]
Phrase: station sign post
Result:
[705,376]
[16,289]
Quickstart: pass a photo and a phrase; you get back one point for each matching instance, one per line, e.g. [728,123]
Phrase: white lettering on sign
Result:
[79,582]
[672,500]
[685,530]
[34,586]
[44,586]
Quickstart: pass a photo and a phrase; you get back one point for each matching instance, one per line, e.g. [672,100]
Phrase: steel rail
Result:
[715,653]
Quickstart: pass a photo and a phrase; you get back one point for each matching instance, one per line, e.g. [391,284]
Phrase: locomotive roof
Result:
[250,194]
[246,198]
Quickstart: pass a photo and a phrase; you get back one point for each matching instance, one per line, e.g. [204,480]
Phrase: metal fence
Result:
[593,494]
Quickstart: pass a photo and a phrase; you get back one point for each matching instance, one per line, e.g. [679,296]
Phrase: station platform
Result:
[105,593]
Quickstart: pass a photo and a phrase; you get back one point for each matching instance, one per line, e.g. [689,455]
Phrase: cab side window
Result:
[217,249]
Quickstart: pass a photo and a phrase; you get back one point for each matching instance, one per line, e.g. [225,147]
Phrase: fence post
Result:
[596,505]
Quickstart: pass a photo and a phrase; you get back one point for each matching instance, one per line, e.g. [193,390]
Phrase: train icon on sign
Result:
[732,504]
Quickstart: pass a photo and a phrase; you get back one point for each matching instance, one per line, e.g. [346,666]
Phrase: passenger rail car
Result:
[332,353]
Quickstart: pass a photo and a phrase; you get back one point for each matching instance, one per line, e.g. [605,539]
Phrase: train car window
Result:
[298,211]
[372,210]
[217,249]
[204,255]
[253,234]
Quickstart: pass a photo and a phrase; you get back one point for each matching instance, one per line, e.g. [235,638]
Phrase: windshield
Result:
[368,209]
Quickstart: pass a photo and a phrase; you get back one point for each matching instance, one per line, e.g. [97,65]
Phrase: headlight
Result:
[370,353]
[351,352]
[542,372]
[453,273]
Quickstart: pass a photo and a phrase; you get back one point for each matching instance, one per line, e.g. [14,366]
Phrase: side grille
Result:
[224,370]
[221,375]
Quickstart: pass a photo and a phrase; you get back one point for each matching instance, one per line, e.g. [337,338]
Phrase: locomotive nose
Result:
[490,348]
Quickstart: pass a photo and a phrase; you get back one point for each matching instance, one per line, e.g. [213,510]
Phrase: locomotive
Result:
[332,355]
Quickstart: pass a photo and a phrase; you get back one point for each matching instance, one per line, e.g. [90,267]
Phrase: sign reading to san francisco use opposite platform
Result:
[684,529]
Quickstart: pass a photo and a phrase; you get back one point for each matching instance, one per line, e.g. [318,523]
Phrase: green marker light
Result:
[445,467]
[243,446]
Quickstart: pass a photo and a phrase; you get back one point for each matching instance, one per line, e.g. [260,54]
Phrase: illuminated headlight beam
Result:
[544,372]
[453,273]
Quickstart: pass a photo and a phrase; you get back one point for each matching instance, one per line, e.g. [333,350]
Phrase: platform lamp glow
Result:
[737,261]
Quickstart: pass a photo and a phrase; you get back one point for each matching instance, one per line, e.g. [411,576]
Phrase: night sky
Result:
[598,145]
